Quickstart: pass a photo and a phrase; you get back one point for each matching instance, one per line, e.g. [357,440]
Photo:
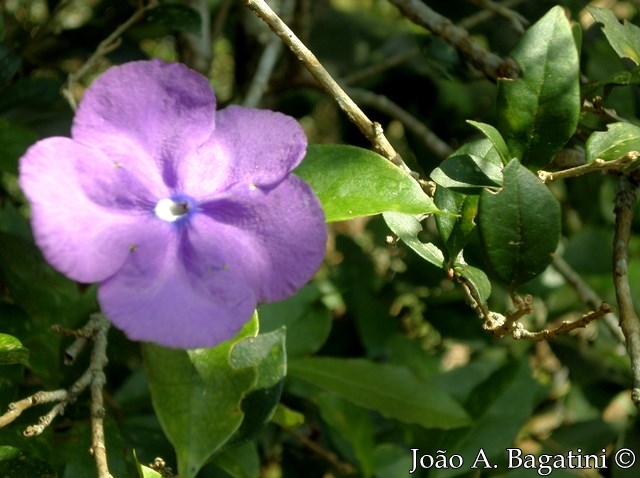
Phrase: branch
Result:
[489,63]
[518,22]
[93,377]
[623,164]
[626,196]
[432,142]
[501,325]
[587,294]
[196,51]
[372,131]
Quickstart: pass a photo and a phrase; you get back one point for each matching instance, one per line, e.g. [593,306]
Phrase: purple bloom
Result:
[186,218]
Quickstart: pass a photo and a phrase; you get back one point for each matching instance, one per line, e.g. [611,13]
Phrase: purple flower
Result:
[186,218]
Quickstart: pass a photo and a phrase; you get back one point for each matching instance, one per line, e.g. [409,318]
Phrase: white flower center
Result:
[170,210]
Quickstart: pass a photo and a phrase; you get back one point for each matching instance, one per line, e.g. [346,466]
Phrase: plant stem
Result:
[372,131]
[626,196]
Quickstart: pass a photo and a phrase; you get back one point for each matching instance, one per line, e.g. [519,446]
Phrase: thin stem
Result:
[98,363]
[625,163]
[432,142]
[372,131]
[587,294]
[196,51]
[625,199]
[489,63]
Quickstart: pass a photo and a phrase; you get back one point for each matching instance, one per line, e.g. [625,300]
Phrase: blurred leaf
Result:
[538,112]
[391,461]
[197,396]
[14,141]
[618,140]
[455,229]
[393,391]
[169,18]
[286,417]
[620,78]
[407,228]
[623,37]
[240,461]
[353,425]
[307,321]
[499,406]
[15,463]
[496,139]
[519,226]
[12,351]
[354,182]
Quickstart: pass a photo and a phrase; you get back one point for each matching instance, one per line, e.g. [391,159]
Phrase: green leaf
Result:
[266,353]
[14,141]
[455,229]
[620,78]
[623,37]
[496,139]
[308,322]
[354,182]
[392,391]
[538,112]
[196,395]
[478,279]
[240,461]
[618,140]
[145,471]
[467,172]
[12,351]
[519,226]
[407,228]
[500,405]
[352,424]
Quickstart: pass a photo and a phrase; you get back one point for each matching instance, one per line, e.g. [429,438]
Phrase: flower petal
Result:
[160,298]
[274,239]
[86,213]
[249,146]
[166,109]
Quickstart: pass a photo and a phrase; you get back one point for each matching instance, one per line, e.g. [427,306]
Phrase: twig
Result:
[625,163]
[501,325]
[267,63]
[196,51]
[484,15]
[93,377]
[626,196]
[106,46]
[330,457]
[566,326]
[98,363]
[432,142]
[372,131]
[608,115]
[378,68]
[587,294]
[221,19]
[489,63]
[518,22]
